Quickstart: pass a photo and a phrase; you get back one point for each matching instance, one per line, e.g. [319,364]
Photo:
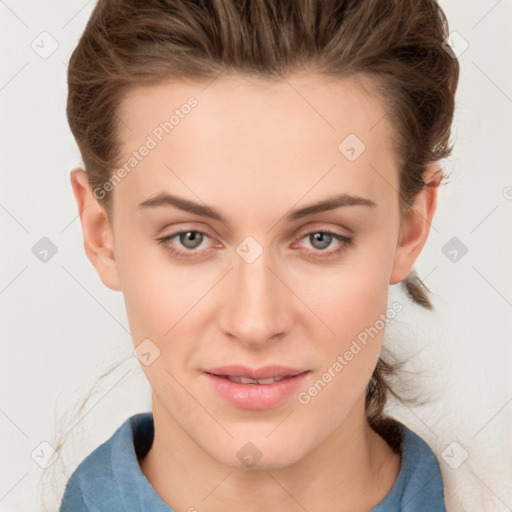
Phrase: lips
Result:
[247,380]
[261,393]
[245,375]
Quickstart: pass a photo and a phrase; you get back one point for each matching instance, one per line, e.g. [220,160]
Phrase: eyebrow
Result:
[331,203]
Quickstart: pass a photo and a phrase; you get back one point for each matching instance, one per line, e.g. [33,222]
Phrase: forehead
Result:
[294,134]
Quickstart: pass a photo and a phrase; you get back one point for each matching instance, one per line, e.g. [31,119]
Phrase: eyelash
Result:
[345,243]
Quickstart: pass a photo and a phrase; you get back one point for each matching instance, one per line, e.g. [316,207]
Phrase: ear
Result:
[97,233]
[416,225]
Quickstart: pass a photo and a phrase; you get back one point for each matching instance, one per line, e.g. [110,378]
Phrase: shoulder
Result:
[419,486]
[97,482]
[424,489]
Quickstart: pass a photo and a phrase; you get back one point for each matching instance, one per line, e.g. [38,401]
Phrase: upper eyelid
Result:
[319,226]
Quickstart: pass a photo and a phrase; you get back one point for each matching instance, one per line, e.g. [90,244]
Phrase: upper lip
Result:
[266,372]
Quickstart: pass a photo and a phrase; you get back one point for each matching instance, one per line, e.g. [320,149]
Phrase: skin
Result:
[254,150]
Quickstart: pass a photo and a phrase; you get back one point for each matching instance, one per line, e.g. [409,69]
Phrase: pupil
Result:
[325,237]
[191,239]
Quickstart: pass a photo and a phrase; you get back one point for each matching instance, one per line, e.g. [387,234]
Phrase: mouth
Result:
[246,375]
[247,380]
[247,388]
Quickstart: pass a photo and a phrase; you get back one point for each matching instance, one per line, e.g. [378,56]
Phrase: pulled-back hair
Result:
[393,48]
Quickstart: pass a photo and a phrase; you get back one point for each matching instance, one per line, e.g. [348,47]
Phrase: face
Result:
[245,272]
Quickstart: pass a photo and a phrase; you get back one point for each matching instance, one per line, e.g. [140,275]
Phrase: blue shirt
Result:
[110,478]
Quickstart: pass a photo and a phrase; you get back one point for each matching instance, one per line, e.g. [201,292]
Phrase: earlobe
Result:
[415,226]
[96,230]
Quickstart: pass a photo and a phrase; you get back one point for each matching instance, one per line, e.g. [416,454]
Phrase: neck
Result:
[352,470]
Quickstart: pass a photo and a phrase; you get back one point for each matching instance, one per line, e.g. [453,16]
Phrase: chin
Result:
[255,455]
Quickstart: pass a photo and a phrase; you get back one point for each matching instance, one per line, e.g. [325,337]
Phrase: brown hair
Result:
[393,48]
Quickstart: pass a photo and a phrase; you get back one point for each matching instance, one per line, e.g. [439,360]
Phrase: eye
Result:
[322,239]
[190,240]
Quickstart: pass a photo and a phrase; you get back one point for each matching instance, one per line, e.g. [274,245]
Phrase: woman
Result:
[256,174]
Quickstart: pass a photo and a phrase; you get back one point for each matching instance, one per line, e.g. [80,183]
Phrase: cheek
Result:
[353,305]
[357,317]
[162,301]
[156,291]
[159,301]
[350,299]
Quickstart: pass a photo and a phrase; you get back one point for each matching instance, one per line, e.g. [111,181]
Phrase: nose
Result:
[256,303]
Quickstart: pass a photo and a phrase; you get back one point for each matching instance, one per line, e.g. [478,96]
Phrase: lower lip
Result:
[256,396]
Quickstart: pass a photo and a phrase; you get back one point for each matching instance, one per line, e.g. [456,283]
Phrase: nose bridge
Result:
[256,301]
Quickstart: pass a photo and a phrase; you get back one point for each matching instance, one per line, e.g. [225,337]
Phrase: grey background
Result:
[62,328]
